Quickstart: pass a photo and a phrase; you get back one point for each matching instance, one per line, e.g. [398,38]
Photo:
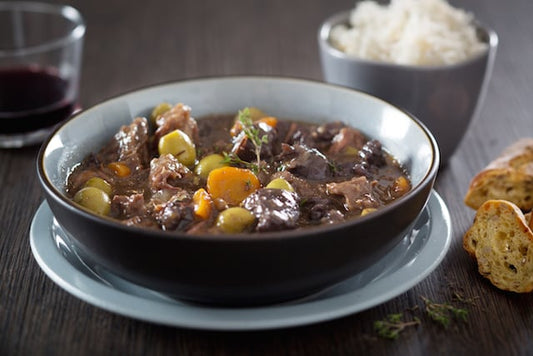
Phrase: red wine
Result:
[32,98]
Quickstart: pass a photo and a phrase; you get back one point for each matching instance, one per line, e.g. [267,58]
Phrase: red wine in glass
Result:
[32,98]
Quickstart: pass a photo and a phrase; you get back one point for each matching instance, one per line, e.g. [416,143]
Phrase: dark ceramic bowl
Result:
[241,269]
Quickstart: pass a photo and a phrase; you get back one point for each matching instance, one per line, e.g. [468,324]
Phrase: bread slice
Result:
[502,243]
[508,177]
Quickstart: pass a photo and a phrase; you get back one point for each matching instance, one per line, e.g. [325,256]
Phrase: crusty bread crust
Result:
[508,177]
[502,243]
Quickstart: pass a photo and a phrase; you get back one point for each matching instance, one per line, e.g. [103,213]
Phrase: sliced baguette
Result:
[502,243]
[508,177]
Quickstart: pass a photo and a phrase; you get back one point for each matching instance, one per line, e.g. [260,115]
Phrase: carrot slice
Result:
[269,120]
[232,184]
[120,169]
[202,204]
[400,187]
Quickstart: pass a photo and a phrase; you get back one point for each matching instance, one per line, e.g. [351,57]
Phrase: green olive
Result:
[208,163]
[159,110]
[179,144]
[99,183]
[94,199]
[235,220]
[280,183]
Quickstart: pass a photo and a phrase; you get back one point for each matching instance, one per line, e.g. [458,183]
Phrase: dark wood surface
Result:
[132,44]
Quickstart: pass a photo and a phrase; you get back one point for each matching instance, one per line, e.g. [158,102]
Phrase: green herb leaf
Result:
[393,325]
[233,159]
[252,133]
[443,313]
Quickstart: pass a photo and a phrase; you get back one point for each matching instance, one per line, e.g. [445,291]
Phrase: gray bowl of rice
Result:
[426,57]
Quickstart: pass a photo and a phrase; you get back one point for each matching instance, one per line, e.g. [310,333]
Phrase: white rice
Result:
[409,32]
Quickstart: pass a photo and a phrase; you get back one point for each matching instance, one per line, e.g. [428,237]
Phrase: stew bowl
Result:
[241,269]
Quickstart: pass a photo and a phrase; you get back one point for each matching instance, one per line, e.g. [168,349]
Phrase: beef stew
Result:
[232,174]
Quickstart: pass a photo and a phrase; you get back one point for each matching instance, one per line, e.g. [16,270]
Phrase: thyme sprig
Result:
[460,298]
[393,325]
[233,159]
[443,313]
[252,132]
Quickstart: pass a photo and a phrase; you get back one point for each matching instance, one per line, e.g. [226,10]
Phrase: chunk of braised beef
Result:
[369,158]
[357,192]
[275,209]
[244,148]
[301,185]
[129,146]
[167,173]
[361,169]
[318,207]
[372,153]
[332,216]
[284,127]
[178,117]
[301,136]
[321,210]
[324,134]
[346,137]
[295,133]
[127,206]
[175,214]
[349,169]
[306,162]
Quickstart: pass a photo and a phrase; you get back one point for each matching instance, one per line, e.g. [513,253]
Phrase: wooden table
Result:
[132,44]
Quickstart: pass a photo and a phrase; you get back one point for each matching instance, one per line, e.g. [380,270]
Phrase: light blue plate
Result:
[419,253]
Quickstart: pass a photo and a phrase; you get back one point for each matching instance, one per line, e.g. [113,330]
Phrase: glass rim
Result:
[65,11]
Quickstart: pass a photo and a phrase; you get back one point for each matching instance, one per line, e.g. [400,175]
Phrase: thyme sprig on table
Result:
[440,313]
[443,313]
[393,325]
[460,298]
